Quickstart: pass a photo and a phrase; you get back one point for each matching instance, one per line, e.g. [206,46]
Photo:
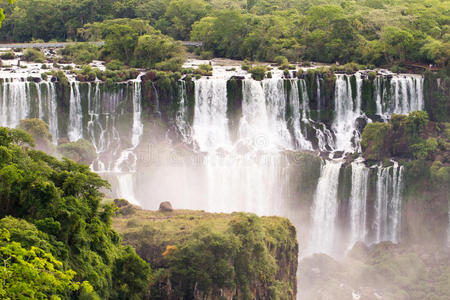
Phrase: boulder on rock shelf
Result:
[165,206]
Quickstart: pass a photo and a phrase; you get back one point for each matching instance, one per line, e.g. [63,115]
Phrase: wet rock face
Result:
[165,206]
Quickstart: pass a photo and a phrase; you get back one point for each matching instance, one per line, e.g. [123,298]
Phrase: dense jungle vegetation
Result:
[375,32]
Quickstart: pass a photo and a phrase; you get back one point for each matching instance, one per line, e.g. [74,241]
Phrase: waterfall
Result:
[20,99]
[299,116]
[180,119]
[358,201]
[125,188]
[75,131]
[136,131]
[404,95]
[15,103]
[319,100]
[263,125]
[210,125]
[48,109]
[388,203]
[346,113]
[324,209]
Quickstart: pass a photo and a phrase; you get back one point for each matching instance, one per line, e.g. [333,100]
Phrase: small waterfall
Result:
[263,124]
[125,188]
[15,103]
[20,99]
[48,109]
[346,113]
[388,203]
[181,123]
[136,131]
[404,95]
[324,209]
[75,130]
[210,125]
[299,115]
[319,99]
[358,201]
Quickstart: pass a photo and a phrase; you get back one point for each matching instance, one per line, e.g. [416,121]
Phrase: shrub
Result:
[281,60]
[206,55]
[34,55]
[246,65]
[8,55]
[86,73]
[80,53]
[204,70]
[372,76]
[373,141]
[39,131]
[173,64]
[115,65]
[81,151]
[258,72]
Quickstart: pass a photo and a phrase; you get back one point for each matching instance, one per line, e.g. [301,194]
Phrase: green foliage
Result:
[258,72]
[179,17]
[115,65]
[206,254]
[415,123]
[34,55]
[157,48]
[38,129]
[62,200]
[32,273]
[87,73]
[373,141]
[204,70]
[131,276]
[8,55]
[372,31]
[80,53]
[424,149]
[81,151]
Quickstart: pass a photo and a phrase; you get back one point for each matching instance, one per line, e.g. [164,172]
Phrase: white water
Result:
[404,96]
[388,203]
[358,202]
[263,124]
[346,113]
[180,121]
[210,125]
[324,209]
[75,130]
[18,98]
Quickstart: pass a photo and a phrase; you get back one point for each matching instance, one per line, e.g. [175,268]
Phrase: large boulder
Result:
[165,206]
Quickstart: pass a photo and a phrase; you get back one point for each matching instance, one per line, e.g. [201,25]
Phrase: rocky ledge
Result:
[199,255]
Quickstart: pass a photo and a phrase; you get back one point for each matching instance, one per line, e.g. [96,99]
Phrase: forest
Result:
[369,32]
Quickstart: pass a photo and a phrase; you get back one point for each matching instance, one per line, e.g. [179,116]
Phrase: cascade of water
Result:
[324,209]
[319,99]
[17,100]
[14,103]
[210,126]
[136,131]
[388,203]
[358,199]
[180,121]
[404,96]
[346,114]
[51,114]
[75,130]
[126,187]
[297,118]
[263,124]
